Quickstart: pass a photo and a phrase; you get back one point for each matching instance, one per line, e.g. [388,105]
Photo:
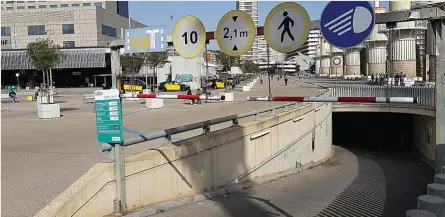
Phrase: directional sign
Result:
[287,27]
[141,40]
[346,24]
[108,116]
[235,33]
[189,36]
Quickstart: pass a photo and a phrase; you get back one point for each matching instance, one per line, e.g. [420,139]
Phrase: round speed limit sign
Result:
[189,37]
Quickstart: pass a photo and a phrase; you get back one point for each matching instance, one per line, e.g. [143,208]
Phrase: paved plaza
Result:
[41,158]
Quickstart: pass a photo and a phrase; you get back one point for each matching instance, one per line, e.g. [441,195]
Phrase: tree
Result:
[44,55]
[156,60]
[131,63]
[226,61]
[249,67]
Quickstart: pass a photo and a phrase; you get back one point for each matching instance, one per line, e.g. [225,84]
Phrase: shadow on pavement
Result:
[388,184]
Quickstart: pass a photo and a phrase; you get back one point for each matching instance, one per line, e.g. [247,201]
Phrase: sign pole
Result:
[120,204]
[268,71]
[207,70]
[108,109]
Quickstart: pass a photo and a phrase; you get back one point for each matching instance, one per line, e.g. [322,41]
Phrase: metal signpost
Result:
[346,24]
[109,128]
[287,27]
[235,33]
[189,38]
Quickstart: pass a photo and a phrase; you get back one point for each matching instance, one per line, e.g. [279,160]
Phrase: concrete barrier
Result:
[246,88]
[225,157]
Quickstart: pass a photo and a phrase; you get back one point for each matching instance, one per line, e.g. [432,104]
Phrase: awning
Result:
[71,59]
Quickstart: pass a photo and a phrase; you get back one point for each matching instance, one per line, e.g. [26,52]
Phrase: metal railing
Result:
[205,125]
[425,95]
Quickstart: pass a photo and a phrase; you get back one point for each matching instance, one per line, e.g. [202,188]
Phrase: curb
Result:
[172,204]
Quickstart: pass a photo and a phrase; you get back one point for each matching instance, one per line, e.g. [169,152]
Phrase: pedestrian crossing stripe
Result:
[277,31]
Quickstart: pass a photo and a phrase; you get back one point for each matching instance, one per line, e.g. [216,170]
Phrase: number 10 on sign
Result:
[193,37]
[189,37]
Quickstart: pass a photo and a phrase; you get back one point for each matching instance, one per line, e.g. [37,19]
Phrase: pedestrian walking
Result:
[396,79]
[372,79]
[402,79]
[199,93]
[285,80]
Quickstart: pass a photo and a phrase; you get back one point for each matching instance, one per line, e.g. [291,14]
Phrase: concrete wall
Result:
[202,163]
[424,136]
[183,69]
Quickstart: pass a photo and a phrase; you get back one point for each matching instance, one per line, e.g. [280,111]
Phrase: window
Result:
[75,5]
[69,44]
[122,8]
[6,31]
[53,6]
[36,30]
[9,2]
[64,5]
[98,4]
[20,1]
[42,6]
[110,31]
[31,7]
[9,8]
[86,4]
[68,28]
[20,7]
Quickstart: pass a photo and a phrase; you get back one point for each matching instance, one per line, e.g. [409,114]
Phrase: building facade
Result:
[83,30]
[263,51]
[251,8]
[310,46]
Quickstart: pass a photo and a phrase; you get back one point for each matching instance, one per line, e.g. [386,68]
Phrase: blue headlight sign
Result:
[346,24]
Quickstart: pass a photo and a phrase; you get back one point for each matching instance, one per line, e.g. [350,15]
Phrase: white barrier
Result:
[47,111]
[246,88]
[152,103]
[228,97]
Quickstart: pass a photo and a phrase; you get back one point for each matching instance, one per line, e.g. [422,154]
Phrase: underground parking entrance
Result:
[392,172]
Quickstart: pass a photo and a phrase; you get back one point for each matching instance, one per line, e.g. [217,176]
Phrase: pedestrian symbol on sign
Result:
[287,20]
[287,27]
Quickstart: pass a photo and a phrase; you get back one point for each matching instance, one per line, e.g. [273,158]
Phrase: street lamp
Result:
[17,76]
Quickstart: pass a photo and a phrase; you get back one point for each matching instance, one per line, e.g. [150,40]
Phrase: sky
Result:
[155,13]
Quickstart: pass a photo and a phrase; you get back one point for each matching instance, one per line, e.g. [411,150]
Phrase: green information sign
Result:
[108,116]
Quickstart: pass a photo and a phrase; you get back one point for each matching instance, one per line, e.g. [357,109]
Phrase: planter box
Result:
[246,88]
[154,103]
[229,97]
[47,111]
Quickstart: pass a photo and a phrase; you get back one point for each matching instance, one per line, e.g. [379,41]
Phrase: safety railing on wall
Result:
[205,125]
[425,95]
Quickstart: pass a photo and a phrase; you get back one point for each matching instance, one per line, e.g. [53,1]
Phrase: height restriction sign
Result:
[189,37]
[287,27]
[235,33]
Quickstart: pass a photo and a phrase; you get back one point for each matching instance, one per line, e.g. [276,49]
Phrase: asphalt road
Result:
[355,182]
[41,158]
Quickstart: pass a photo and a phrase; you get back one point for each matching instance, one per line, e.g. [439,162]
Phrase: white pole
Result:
[50,79]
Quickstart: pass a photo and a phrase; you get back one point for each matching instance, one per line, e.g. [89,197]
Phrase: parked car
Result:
[219,83]
[173,86]
[136,85]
